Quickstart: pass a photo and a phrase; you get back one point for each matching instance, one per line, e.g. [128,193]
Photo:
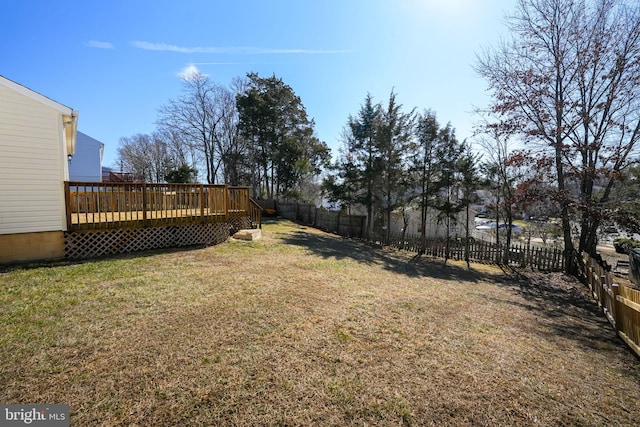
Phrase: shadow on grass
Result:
[570,310]
[563,304]
[330,246]
[566,310]
[33,265]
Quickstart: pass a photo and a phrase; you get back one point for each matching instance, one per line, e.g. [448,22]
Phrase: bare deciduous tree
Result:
[568,83]
[145,156]
[205,119]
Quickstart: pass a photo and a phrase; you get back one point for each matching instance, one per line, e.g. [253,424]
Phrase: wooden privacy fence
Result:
[97,206]
[621,304]
[546,259]
[324,219]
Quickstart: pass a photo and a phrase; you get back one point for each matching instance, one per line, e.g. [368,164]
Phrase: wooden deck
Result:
[100,206]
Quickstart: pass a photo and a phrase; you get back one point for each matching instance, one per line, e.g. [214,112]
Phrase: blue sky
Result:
[117,62]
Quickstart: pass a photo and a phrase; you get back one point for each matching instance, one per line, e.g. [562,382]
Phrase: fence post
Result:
[617,312]
[602,291]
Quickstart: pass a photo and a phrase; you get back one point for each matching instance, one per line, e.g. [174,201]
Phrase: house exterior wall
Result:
[86,164]
[434,229]
[21,247]
[32,165]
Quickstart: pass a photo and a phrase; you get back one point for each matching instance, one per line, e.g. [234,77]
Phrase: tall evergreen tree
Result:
[469,183]
[274,119]
[363,140]
[424,168]
[447,154]
[394,136]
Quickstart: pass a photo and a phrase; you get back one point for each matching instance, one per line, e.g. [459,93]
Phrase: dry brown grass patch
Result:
[305,328]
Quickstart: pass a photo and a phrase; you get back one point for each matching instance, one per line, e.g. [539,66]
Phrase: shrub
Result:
[623,245]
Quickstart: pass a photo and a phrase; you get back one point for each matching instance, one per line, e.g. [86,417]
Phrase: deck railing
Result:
[97,206]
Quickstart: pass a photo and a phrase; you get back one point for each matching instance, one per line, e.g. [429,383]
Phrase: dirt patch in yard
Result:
[306,328]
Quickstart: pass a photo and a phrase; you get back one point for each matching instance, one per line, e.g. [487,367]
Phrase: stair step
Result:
[250,234]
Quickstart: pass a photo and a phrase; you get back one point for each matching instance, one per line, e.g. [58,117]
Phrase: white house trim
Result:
[69,115]
[36,96]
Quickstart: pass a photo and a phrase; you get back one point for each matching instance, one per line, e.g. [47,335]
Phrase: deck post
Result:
[144,203]
[225,198]
[202,203]
[67,204]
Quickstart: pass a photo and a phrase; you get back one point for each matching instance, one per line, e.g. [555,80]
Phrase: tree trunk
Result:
[423,230]
[448,238]
[466,237]
[497,229]
[423,212]
[388,224]
[566,223]
[507,244]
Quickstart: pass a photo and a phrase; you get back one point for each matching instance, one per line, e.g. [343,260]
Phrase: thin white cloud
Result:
[189,71]
[99,45]
[164,47]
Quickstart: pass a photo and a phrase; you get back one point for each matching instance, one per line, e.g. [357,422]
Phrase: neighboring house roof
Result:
[69,114]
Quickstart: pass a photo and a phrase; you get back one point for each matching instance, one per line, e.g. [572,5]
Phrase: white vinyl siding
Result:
[31,168]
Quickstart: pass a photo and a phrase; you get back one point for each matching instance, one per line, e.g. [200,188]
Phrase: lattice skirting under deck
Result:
[79,245]
[240,223]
